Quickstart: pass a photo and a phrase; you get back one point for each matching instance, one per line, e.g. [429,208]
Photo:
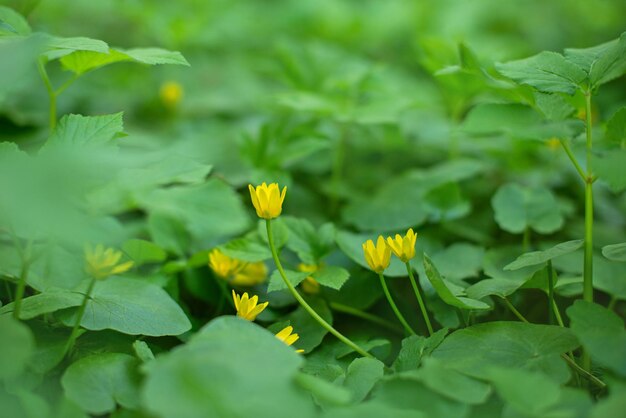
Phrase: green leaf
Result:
[250,248]
[614,405]
[444,291]
[517,208]
[310,245]
[601,332]
[81,62]
[51,300]
[459,261]
[132,307]
[143,252]
[277,282]
[183,383]
[615,252]
[475,350]
[548,72]
[325,393]
[142,351]
[99,382]
[449,382]
[496,287]
[539,257]
[310,331]
[78,130]
[361,376]
[528,393]
[415,348]
[616,127]
[609,166]
[13,23]
[17,347]
[331,276]
[58,47]
[603,62]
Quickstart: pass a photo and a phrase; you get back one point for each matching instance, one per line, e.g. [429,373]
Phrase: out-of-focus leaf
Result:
[615,252]
[17,346]
[539,257]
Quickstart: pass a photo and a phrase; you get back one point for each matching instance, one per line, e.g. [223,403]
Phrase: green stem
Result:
[418,295]
[514,310]
[584,372]
[399,315]
[588,264]
[550,293]
[557,314]
[302,302]
[41,65]
[79,317]
[573,159]
[339,307]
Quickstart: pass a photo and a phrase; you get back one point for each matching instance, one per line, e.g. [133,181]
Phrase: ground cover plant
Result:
[312,209]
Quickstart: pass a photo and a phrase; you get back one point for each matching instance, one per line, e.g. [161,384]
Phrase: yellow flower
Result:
[171,93]
[267,200]
[236,272]
[403,246]
[101,262]
[286,336]
[248,307]
[554,143]
[379,256]
[309,285]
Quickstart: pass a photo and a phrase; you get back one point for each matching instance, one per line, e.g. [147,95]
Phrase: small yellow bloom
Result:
[236,272]
[248,307]
[403,246]
[171,93]
[101,262]
[286,336]
[379,256]
[267,200]
[554,143]
[309,285]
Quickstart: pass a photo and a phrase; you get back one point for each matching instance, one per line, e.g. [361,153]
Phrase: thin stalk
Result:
[550,293]
[514,310]
[557,314]
[395,309]
[349,310]
[418,295]
[52,116]
[79,317]
[302,302]
[584,373]
[573,159]
[588,260]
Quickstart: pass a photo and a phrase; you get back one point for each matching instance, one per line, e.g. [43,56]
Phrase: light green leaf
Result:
[58,47]
[78,130]
[101,381]
[601,332]
[548,72]
[489,287]
[17,346]
[614,405]
[13,23]
[331,276]
[539,257]
[517,208]
[361,376]
[325,393]
[49,301]
[143,252]
[603,62]
[615,252]
[183,383]
[444,291]
[415,348]
[249,248]
[277,282]
[475,350]
[132,307]
[616,127]
[459,261]
[310,244]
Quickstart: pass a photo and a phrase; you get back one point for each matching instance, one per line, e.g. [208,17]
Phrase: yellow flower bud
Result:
[171,93]
[403,246]
[101,262]
[267,200]
[248,307]
[377,256]
[286,336]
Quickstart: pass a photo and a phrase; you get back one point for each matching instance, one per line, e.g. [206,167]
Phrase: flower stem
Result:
[51,94]
[550,293]
[79,317]
[349,310]
[405,324]
[302,302]
[514,310]
[418,295]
